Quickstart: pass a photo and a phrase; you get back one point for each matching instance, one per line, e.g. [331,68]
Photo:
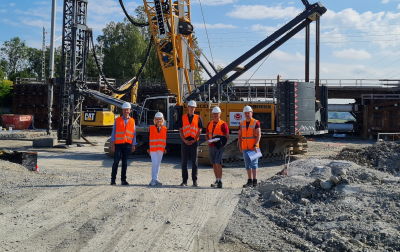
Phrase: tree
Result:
[15,52]
[5,93]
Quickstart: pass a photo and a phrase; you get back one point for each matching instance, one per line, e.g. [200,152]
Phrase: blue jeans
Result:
[121,150]
[249,164]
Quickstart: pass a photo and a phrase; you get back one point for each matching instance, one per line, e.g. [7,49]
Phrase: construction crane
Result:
[287,112]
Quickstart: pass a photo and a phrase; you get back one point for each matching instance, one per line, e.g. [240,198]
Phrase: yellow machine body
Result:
[97,118]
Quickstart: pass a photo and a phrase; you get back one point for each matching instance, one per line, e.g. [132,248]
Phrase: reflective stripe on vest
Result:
[190,129]
[157,141]
[124,133]
[249,135]
[217,130]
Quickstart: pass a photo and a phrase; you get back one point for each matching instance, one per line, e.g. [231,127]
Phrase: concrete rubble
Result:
[349,202]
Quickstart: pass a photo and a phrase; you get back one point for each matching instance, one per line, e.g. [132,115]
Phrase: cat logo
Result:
[90,116]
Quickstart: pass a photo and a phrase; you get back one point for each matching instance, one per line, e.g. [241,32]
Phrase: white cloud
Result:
[352,54]
[6,21]
[385,1]
[37,23]
[398,6]
[12,4]
[284,56]
[348,25]
[3,10]
[215,2]
[262,12]
[213,26]
[291,3]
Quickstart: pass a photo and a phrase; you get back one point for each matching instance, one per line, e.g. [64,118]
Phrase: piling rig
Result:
[288,110]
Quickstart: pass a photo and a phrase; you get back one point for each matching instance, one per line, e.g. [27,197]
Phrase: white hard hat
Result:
[216,110]
[159,115]
[126,105]
[192,104]
[247,109]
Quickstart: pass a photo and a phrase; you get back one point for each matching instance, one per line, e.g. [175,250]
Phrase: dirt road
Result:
[70,206]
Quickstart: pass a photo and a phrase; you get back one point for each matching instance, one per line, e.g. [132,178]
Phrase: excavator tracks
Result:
[272,147]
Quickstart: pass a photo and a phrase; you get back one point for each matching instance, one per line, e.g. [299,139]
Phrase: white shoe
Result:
[158,183]
[152,183]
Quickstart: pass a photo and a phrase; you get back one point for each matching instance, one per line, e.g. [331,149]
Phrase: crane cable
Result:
[205,26]
[115,90]
[130,19]
[130,82]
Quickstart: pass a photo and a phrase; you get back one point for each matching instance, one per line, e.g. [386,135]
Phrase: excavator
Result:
[288,111]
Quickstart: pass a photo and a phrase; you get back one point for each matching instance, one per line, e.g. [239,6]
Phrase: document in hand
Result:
[213,140]
[253,155]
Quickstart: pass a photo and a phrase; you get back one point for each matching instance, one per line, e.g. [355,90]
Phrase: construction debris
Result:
[325,205]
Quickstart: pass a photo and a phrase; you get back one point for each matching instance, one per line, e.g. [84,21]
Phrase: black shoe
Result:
[183,184]
[249,183]
[195,184]
[220,184]
[124,183]
[215,184]
[112,182]
[254,182]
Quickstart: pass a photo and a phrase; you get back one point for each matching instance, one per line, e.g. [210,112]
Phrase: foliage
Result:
[15,52]
[5,92]
[22,74]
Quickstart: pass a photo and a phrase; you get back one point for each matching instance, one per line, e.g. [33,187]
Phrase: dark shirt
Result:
[199,125]
[224,129]
[258,125]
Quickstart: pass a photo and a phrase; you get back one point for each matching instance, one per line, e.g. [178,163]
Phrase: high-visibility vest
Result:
[158,141]
[249,135]
[190,129]
[124,134]
[217,131]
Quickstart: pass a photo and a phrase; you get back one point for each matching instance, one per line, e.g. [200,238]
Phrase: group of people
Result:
[123,140]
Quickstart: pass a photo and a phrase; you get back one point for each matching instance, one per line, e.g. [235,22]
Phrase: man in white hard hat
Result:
[123,141]
[249,140]
[217,129]
[190,129]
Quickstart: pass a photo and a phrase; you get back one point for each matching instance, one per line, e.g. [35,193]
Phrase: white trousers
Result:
[156,157]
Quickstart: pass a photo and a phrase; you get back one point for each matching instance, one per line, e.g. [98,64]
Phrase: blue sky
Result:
[360,38]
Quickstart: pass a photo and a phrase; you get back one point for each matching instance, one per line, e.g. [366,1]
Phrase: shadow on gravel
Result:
[189,187]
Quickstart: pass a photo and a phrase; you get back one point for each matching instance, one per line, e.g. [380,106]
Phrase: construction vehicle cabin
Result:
[288,110]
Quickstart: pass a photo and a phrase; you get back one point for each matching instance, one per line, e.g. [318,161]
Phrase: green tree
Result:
[15,52]
[5,93]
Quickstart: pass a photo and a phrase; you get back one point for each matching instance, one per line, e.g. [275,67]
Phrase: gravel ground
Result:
[70,206]
[348,201]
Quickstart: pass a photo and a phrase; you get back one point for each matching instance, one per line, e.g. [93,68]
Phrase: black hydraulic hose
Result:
[115,90]
[130,19]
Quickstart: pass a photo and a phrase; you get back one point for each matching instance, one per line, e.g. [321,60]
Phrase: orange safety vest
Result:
[249,135]
[217,130]
[158,141]
[124,134]
[190,129]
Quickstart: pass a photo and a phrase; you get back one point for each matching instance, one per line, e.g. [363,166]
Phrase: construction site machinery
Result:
[288,110]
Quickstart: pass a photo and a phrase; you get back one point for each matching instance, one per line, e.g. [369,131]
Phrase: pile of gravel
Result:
[383,156]
[323,205]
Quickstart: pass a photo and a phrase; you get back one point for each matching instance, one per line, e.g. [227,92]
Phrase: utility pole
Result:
[51,68]
[44,53]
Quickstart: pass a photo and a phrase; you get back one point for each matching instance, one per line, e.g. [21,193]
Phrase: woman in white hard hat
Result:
[157,146]
[217,129]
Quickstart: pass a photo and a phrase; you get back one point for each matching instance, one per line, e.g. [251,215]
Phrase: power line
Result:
[373,63]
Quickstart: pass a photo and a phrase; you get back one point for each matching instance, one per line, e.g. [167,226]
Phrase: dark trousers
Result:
[193,150]
[121,150]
